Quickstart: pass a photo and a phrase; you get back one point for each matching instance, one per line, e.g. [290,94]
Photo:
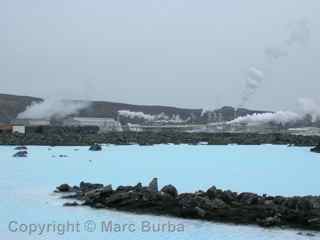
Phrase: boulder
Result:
[304,204]
[200,194]
[306,234]
[171,190]
[248,198]
[138,187]
[200,212]
[187,200]
[117,198]
[270,221]
[290,203]
[21,154]
[212,192]
[98,205]
[71,204]
[316,149]
[95,147]
[208,204]
[153,185]
[99,193]
[85,187]
[315,203]
[125,188]
[107,189]
[21,148]
[228,196]
[314,221]
[217,204]
[64,188]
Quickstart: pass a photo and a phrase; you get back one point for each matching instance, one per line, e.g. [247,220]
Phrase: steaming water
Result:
[26,185]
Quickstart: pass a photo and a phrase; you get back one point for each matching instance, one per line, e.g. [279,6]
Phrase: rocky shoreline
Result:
[211,205]
[84,137]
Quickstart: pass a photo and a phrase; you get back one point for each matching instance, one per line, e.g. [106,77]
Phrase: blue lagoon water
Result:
[26,186]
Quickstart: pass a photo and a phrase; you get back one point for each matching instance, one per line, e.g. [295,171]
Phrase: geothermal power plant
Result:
[80,114]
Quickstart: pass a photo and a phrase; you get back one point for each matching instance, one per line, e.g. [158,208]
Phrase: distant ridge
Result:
[12,105]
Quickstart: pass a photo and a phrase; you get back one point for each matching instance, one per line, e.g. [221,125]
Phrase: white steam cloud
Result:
[254,79]
[162,117]
[274,53]
[310,107]
[50,108]
[132,115]
[306,107]
[281,117]
[298,35]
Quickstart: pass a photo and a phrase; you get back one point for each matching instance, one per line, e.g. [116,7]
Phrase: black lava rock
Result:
[316,149]
[95,147]
[21,148]
[71,204]
[21,154]
[171,190]
[64,188]
[213,205]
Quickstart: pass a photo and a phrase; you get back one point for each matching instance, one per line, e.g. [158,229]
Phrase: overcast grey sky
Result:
[171,52]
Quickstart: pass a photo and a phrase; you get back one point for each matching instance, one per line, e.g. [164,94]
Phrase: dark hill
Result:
[12,105]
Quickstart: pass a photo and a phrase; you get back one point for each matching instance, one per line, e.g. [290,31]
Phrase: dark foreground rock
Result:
[21,148]
[21,154]
[316,149]
[212,205]
[95,147]
[71,204]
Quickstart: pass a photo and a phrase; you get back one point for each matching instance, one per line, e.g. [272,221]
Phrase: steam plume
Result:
[162,117]
[310,107]
[281,117]
[306,107]
[254,79]
[51,107]
[274,53]
[298,35]
[132,115]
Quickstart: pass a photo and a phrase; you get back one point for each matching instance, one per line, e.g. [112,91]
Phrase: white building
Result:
[104,124]
[10,128]
[19,129]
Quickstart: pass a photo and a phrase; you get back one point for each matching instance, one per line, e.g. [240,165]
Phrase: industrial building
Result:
[104,124]
[10,128]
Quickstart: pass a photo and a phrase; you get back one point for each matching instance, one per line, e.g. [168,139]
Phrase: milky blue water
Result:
[26,186]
